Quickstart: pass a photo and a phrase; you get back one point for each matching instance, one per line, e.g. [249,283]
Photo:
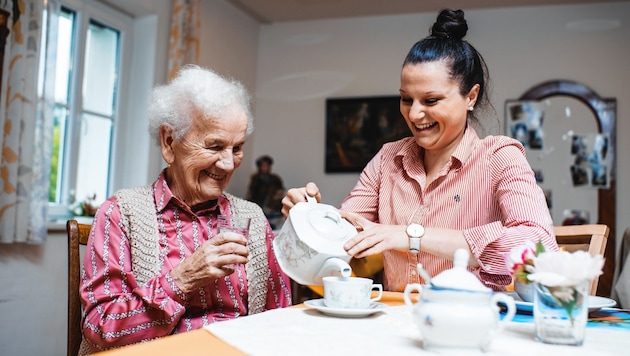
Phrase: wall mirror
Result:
[569,134]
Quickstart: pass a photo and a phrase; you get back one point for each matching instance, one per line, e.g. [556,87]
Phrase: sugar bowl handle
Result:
[408,289]
[509,303]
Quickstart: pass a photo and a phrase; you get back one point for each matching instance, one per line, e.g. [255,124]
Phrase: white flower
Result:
[561,268]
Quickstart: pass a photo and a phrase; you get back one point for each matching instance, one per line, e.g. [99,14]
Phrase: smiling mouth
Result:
[425,126]
[214,176]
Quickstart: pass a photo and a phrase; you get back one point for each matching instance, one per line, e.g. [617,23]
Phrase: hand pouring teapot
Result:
[310,244]
[456,310]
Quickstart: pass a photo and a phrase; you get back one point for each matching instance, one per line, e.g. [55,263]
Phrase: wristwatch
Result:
[415,233]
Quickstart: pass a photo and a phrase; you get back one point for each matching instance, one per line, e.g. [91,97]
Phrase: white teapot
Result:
[310,243]
[456,310]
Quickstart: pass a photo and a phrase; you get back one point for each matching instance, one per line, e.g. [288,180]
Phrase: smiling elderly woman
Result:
[156,264]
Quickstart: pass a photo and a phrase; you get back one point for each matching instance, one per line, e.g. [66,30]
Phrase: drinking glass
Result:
[561,313]
[237,224]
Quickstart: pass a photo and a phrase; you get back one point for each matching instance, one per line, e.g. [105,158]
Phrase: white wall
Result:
[229,45]
[301,64]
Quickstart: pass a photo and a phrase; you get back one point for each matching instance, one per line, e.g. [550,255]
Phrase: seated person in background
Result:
[155,263]
[266,189]
[476,194]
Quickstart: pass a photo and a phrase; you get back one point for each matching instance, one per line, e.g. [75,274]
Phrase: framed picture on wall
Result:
[356,128]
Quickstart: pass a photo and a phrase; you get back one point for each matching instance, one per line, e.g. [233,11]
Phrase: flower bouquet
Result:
[561,283]
[520,263]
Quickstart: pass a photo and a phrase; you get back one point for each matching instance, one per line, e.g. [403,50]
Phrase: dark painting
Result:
[356,128]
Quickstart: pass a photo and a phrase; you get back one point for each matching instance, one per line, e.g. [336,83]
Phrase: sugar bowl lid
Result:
[458,277]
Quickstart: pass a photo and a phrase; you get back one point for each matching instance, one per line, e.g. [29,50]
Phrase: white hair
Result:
[195,90]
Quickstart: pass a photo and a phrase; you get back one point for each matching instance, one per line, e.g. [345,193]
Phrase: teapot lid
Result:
[458,277]
[321,227]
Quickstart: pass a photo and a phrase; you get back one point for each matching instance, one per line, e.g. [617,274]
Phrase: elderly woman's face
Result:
[202,162]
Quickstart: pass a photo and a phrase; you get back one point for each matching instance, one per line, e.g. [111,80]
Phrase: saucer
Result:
[594,303]
[318,304]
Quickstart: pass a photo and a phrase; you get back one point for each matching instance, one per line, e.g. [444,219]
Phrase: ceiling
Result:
[270,11]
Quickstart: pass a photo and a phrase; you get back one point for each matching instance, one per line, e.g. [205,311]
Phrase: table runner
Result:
[299,331]
[604,318]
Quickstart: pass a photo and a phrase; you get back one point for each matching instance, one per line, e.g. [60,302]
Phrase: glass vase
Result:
[561,313]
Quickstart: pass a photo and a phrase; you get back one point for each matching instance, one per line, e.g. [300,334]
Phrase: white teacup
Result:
[350,292]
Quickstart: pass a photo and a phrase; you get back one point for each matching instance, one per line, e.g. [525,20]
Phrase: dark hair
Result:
[264,158]
[445,42]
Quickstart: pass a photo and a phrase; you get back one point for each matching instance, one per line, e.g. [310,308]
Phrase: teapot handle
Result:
[509,302]
[310,199]
[408,289]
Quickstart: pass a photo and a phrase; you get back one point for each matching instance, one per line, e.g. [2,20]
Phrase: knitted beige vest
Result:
[138,215]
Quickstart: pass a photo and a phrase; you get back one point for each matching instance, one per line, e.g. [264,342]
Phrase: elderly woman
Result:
[156,264]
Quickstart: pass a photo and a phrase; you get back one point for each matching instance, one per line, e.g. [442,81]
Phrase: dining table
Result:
[306,329]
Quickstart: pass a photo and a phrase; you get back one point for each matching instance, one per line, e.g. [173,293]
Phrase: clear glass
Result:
[101,69]
[237,224]
[65,46]
[561,313]
[57,160]
[93,161]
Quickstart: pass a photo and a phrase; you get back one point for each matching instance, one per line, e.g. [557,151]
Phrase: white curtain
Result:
[184,39]
[26,120]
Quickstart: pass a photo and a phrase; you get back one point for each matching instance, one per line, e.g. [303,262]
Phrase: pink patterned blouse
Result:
[487,190]
[119,312]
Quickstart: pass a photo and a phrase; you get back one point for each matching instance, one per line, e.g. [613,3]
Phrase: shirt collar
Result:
[410,150]
[164,197]
[466,145]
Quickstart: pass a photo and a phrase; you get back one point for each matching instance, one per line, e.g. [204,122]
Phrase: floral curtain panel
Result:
[185,31]
[26,126]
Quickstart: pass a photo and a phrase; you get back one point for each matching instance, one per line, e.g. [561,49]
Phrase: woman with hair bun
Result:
[421,198]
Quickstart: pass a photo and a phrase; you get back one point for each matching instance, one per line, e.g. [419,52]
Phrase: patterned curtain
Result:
[26,124]
[184,41]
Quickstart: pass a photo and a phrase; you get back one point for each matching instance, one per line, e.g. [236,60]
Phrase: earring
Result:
[471,108]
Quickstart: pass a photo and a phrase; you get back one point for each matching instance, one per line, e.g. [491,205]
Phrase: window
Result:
[88,88]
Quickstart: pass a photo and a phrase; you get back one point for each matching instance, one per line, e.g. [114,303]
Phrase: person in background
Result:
[155,263]
[421,198]
[266,189]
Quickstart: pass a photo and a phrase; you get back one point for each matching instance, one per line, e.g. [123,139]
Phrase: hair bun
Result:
[450,24]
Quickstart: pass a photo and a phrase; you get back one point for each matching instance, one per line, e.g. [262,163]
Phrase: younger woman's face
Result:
[432,105]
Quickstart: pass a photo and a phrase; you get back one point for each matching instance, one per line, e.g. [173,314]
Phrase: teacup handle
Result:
[408,289]
[380,292]
[509,302]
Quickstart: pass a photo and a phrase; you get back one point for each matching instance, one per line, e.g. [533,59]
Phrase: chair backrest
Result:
[77,235]
[590,237]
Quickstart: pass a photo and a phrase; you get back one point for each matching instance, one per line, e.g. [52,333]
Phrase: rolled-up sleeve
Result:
[525,215]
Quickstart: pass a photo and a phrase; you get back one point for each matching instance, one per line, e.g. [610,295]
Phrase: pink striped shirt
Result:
[119,312]
[487,190]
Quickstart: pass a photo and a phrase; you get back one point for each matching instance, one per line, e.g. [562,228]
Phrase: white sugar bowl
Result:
[456,309]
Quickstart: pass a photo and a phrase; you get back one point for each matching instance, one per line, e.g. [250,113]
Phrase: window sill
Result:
[60,224]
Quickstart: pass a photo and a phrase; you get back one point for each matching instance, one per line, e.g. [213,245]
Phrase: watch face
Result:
[415,230]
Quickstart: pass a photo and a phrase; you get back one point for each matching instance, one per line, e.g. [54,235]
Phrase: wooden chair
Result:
[590,237]
[77,235]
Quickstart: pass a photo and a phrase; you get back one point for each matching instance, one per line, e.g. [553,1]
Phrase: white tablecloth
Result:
[295,331]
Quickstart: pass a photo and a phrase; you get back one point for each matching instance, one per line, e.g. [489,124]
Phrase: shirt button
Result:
[414,272]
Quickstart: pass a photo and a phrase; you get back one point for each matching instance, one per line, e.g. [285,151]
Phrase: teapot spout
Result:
[333,266]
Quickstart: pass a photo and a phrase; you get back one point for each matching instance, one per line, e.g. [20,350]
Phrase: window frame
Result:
[85,11]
